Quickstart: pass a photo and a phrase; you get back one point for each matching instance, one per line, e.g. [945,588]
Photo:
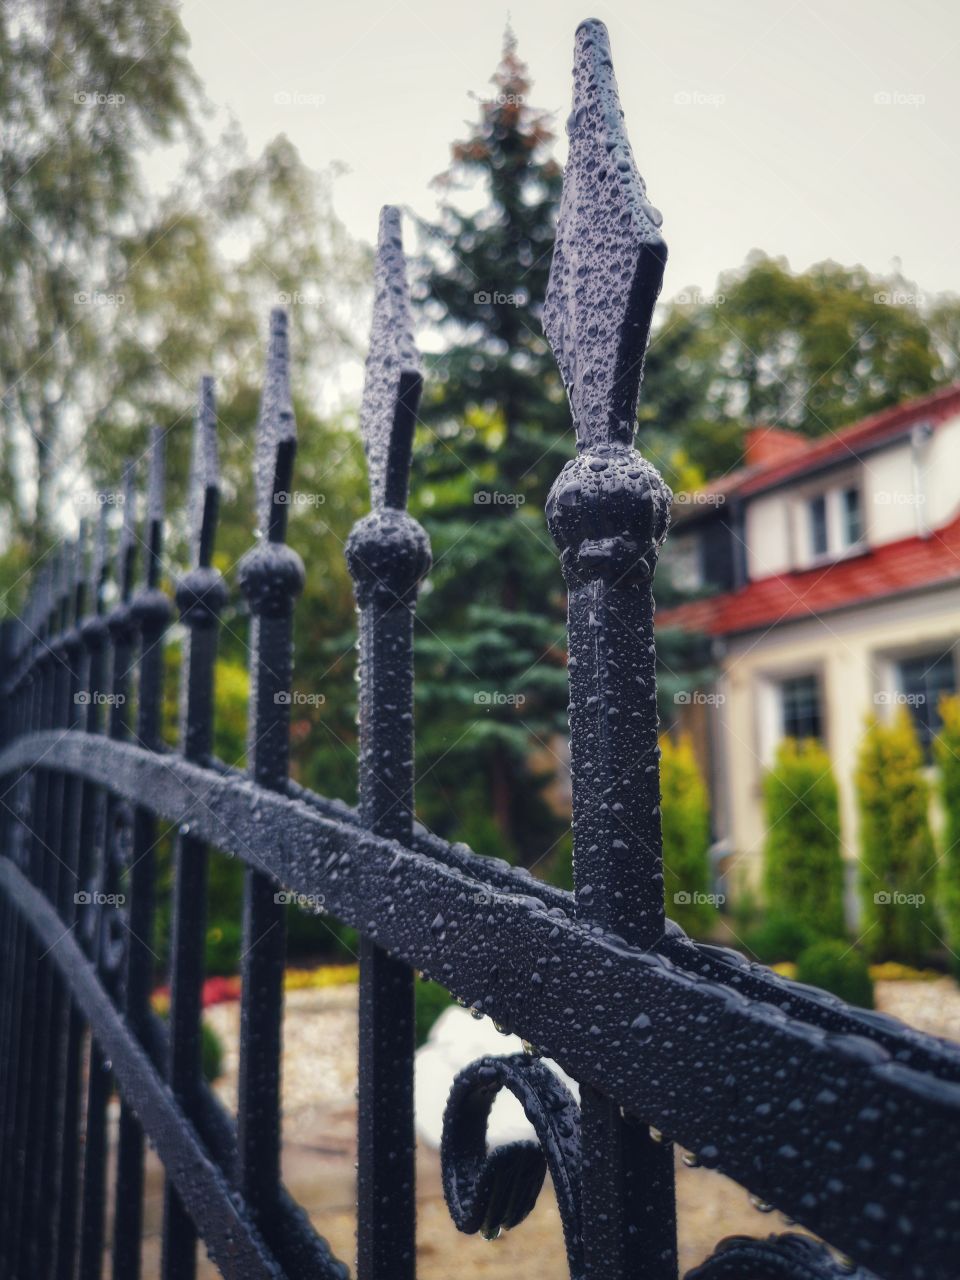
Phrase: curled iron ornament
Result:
[490,1192]
[784,1257]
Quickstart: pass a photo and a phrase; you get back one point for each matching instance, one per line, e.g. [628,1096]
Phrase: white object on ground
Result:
[456,1039]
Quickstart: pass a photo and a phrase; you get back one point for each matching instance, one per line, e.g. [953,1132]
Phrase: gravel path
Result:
[319,1079]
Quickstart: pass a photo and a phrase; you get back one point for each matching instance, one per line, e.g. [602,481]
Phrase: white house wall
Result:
[768,535]
[899,500]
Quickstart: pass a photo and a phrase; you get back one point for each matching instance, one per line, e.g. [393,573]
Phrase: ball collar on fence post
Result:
[608,512]
[388,552]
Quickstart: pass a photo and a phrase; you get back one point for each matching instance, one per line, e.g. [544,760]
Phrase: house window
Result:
[817,508]
[834,522]
[685,563]
[801,714]
[852,519]
[923,682]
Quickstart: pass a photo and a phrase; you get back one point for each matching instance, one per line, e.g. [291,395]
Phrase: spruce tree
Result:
[496,431]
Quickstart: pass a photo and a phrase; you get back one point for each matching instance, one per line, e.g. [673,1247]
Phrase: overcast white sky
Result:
[812,129]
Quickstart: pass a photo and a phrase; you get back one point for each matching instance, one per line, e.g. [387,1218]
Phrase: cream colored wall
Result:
[853,651]
[767,535]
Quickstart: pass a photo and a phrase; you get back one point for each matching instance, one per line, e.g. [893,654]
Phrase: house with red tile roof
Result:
[825,574]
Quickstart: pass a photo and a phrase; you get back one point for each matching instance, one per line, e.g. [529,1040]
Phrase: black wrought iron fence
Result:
[843,1119]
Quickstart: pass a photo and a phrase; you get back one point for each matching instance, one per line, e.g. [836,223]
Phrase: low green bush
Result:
[839,968]
[432,1000]
[778,938]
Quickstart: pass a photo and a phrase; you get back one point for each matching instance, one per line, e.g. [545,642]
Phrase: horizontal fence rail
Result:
[844,1120]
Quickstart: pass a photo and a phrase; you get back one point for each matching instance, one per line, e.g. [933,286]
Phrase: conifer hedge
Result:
[803,865]
[685,806]
[897,858]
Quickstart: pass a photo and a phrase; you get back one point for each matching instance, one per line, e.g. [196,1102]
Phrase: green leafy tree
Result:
[85,89]
[491,649]
[803,865]
[947,749]
[685,808]
[897,854]
[812,350]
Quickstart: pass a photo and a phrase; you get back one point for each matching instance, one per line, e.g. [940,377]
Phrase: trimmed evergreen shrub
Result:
[778,938]
[803,865]
[837,967]
[897,878]
[685,809]
[947,751]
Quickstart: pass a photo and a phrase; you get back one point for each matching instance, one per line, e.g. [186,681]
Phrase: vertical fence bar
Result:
[13,725]
[59,1192]
[608,513]
[53,1004]
[108,940]
[271,578]
[94,637]
[388,554]
[201,594]
[150,611]
[31,1024]
[20,791]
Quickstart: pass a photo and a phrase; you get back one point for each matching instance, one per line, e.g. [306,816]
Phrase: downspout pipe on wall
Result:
[919,435]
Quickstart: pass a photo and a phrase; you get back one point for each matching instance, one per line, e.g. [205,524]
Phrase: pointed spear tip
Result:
[276,408]
[609,255]
[279,334]
[390,224]
[204,473]
[156,449]
[593,26]
[276,427]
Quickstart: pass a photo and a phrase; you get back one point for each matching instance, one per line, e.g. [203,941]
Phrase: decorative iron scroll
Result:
[493,1192]
[786,1257]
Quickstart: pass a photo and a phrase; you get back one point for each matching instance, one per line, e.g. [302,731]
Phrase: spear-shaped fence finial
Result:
[276,434]
[204,477]
[393,379]
[609,257]
[126,547]
[99,561]
[155,500]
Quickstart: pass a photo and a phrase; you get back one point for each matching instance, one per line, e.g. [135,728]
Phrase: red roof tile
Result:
[789,462]
[892,569]
[845,443]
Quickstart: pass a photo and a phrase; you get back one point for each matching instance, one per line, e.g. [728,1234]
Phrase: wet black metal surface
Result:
[843,1119]
[388,554]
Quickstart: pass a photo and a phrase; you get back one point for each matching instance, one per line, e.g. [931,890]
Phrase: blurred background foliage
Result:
[116,298]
